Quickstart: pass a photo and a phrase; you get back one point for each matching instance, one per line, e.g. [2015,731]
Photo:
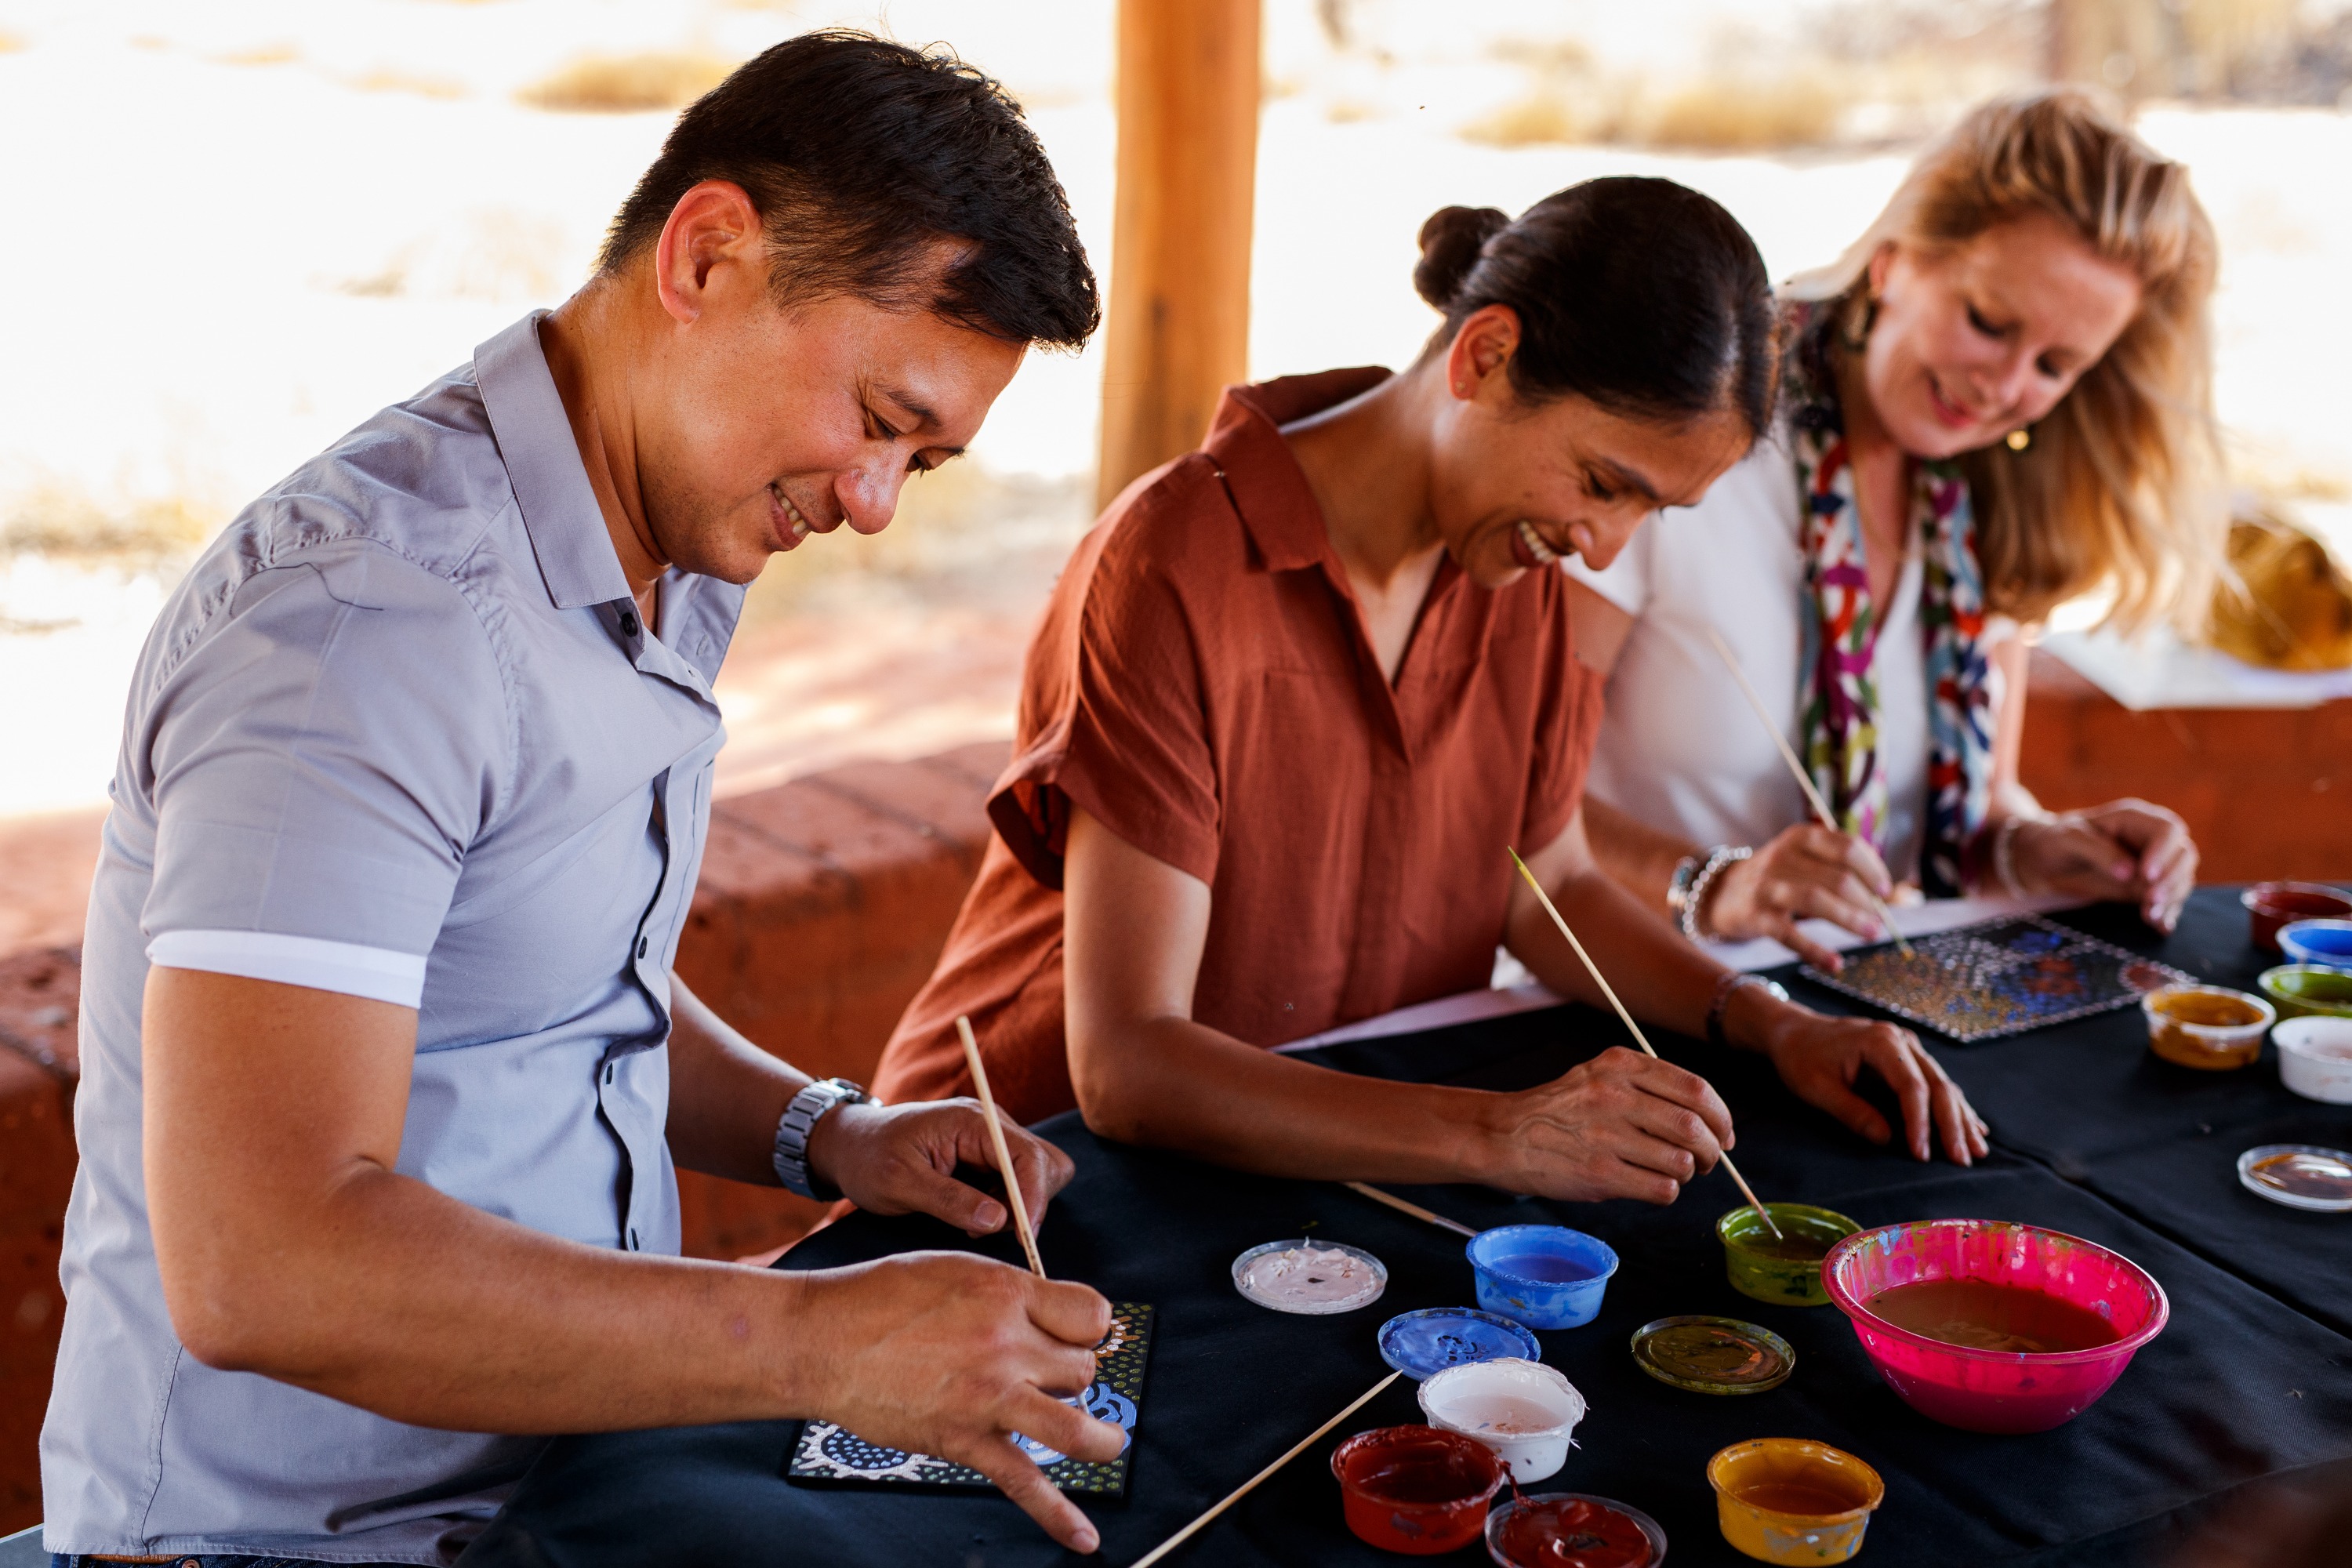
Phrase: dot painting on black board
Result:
[827,1455]
[2000,976]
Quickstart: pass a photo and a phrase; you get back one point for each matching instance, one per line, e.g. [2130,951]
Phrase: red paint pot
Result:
[1416,1489]
[2269,905]
[1573,1529]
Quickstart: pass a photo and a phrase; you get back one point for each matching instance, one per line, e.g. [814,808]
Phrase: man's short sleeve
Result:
[318,766]
[1126,738]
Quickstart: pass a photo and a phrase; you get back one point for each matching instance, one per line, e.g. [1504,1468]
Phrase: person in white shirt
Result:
[1996,400]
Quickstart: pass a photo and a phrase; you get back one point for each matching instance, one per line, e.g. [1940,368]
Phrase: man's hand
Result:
[1819,1059]
[902,1159]
[942,1352]
[1621,1125]
[1805,872]
[2127,850]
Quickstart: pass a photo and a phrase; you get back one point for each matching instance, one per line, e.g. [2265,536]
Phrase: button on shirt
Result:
[399,733]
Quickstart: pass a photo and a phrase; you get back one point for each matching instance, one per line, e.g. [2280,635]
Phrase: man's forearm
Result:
[403,1301]
[725,1094]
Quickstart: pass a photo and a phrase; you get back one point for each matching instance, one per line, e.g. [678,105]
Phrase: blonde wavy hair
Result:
[2121,485]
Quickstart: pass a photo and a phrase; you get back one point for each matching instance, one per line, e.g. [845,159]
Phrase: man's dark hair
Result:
[862,156]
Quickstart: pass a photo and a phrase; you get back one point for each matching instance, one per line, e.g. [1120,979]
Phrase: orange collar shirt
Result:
[1202,685]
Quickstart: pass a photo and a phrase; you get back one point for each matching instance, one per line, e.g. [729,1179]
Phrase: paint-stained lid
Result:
[1419,1343]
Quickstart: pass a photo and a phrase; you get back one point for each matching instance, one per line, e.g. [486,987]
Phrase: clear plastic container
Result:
[2211,1027]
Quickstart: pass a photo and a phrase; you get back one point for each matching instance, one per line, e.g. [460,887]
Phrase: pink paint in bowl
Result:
[1992,1326]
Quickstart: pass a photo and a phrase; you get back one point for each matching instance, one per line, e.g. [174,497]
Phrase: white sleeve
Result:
[1626,582]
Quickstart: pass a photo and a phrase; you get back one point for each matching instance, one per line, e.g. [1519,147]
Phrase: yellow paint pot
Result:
[1789,1499]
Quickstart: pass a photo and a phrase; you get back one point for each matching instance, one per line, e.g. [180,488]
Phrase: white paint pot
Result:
[2315,1056]
[1523,1410]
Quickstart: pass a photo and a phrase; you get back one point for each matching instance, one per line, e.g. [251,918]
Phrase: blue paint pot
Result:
[2317,941]
[1545,1276]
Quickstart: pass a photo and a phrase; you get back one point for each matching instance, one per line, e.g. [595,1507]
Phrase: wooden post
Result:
[1179,275]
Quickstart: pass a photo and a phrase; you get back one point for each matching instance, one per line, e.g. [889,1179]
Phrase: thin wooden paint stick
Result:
[1243,1490]
[1004,1155]
[1797,770]
[1640,1038]
[1401,1206]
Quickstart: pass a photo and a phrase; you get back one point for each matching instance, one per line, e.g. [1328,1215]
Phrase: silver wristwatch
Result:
[801,1118]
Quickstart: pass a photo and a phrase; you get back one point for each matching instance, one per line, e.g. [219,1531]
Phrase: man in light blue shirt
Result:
[384,1066]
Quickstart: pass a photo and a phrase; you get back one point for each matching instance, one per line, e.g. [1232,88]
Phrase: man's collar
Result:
[576,560]
[1269,488]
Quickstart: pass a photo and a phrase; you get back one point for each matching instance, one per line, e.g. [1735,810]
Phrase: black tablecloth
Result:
[2158,1140]
[2240,1385]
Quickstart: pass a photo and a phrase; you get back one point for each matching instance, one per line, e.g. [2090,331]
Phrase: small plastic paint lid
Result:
[1713,1355]
[2300,1175]
[1314,1279]
[1420,1343]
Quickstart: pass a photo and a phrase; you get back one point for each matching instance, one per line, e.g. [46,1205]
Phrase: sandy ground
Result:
[256,221]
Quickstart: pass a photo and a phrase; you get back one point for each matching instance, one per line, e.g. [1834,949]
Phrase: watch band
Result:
[1731,981]
[801,1117]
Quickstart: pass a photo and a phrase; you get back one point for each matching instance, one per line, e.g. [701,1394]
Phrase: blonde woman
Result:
[1996,400]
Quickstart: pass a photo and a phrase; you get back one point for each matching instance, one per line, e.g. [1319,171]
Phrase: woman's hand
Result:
[2127,850]
[1622,1125]
[1819,1059]
[1805,871]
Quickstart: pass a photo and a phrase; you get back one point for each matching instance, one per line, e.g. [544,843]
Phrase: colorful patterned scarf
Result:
[1840,726]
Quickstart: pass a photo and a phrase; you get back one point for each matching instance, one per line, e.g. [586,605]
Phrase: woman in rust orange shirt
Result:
[1298,689]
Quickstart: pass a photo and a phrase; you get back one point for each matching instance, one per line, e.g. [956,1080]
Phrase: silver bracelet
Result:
[1717,859]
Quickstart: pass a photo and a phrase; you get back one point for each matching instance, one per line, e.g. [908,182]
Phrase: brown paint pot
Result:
[2269,905]
[2210,1027]
[1415,1490]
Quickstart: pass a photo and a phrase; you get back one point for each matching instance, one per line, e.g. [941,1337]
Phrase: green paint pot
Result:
[1787,1273]
[2296,989]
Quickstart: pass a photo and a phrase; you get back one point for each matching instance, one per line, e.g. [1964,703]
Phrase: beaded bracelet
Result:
[1718,858]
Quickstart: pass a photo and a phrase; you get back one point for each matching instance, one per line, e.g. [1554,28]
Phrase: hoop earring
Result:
[2021,438]
[1855,340]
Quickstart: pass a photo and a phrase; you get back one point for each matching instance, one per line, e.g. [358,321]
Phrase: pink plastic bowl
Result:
[1993,1391]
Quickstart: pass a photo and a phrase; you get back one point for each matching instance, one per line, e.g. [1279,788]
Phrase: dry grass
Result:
[66,524]
[1744,114]
[260,55]
[623,84]
[1541,119]
[388,78]
[1714,114]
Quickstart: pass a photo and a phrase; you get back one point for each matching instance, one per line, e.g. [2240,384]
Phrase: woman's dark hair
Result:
[1640,295]
[861,156]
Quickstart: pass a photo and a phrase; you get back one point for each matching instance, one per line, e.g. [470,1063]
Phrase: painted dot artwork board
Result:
[828,1456]
[2000,976]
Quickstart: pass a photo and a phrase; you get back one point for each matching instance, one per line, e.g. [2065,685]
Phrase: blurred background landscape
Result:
[245,225]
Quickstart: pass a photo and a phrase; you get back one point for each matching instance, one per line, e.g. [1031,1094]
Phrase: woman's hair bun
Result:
[1451,242]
